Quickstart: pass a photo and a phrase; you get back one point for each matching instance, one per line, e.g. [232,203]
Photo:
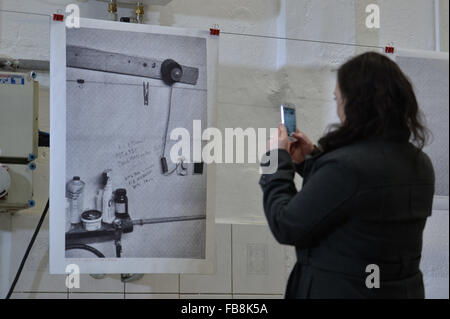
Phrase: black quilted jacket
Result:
[361,205]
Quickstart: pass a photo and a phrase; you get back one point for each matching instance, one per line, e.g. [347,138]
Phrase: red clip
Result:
[215,30]
[389,49]
[58,17]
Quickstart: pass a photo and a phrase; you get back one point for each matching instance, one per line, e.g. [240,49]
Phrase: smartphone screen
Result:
[288,118]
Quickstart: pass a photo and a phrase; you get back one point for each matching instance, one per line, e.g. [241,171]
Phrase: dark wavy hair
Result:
[379,101]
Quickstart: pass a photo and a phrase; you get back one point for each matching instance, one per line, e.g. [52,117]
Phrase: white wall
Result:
[255,76]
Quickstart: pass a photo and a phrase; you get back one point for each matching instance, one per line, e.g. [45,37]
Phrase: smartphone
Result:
[288,119]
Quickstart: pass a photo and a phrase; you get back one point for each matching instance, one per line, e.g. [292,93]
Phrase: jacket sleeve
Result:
[300,218]
[299,168]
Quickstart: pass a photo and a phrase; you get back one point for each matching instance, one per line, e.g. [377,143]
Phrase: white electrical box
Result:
[19,103]
[19,94]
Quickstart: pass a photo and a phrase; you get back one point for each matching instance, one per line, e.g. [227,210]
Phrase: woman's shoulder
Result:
[375,148]
[382,158]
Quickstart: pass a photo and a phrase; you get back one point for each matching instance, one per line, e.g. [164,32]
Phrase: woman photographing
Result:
[358,221]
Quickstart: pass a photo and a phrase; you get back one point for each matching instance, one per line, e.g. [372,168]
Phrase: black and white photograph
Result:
[127,196]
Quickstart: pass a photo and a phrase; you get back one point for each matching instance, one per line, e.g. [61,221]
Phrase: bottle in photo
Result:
[108,208]
[75,195]
[121,201]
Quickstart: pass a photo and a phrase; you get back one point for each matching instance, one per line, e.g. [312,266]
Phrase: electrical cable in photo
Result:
[180,167]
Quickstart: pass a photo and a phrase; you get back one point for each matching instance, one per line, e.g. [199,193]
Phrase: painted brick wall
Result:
[255,75]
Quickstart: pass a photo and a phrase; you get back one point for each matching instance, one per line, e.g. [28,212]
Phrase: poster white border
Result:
[58,262]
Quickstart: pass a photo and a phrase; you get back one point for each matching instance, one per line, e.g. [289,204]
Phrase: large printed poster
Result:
[120,201]
[429,74]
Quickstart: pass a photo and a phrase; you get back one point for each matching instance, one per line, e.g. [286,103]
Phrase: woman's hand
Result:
[300,149]
[279,140]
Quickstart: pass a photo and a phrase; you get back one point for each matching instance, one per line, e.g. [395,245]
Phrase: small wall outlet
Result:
[257,259]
